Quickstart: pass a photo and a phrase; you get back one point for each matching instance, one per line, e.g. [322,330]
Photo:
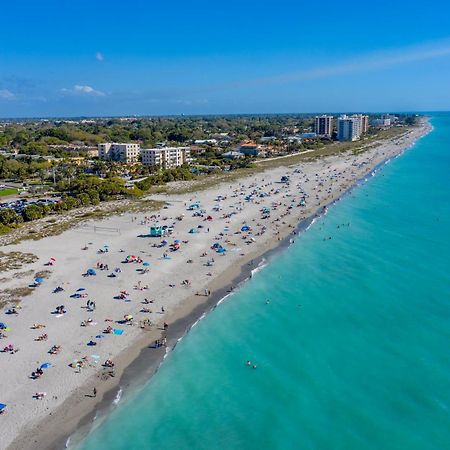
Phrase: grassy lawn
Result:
[8,191]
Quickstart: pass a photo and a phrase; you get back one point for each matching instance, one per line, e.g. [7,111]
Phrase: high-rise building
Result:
[364,122]
[349,128]
[119,152]
[323,125]
[167,157]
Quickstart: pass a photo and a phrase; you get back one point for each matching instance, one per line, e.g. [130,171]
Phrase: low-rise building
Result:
[205,142]
[232,155]
[167,158]
[248,149]
[119,152]
[382,123]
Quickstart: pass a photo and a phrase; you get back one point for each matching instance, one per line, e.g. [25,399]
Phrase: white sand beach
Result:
[162,283]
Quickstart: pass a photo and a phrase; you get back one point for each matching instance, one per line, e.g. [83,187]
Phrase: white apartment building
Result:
[167,158]
[323,125]
[119,152]
[364,122]
[349,128]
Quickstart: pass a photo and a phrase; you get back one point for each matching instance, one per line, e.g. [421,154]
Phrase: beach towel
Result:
[117,331]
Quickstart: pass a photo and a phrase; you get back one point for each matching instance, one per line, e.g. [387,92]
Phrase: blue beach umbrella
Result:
[38,280]
[2,325]
[146,264]
[2,406]
[46,365]
[99,336]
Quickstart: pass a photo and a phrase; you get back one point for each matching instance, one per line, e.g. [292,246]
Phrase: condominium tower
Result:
[323,125]
[349,128]
[364,121]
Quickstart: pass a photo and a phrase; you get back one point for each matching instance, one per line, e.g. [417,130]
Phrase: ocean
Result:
[348,328]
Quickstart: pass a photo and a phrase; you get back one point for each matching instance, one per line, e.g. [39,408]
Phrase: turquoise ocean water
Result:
[352,350]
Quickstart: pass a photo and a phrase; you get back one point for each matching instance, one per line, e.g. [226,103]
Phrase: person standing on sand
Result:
[94,392]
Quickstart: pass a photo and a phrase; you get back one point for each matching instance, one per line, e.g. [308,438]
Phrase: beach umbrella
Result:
[2,406]
[52,259]
[146,264]
[99,336]
[91,272]
[2,326]
[46,365]
[38,280]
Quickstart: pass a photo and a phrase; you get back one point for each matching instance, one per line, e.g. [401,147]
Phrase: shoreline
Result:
[74,417]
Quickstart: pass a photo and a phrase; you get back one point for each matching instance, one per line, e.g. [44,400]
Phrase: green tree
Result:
[32,212]
[9,217]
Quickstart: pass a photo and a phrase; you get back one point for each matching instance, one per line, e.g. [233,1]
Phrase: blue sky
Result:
[79,57]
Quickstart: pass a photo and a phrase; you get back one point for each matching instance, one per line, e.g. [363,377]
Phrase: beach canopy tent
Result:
[38,280]
[46,365]
[157,231]
[91,272]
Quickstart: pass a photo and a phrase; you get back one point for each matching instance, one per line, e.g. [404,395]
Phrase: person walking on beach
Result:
[94,392]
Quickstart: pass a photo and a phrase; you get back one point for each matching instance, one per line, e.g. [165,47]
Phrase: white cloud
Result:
[6,94]
[99,56]
[79,89]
